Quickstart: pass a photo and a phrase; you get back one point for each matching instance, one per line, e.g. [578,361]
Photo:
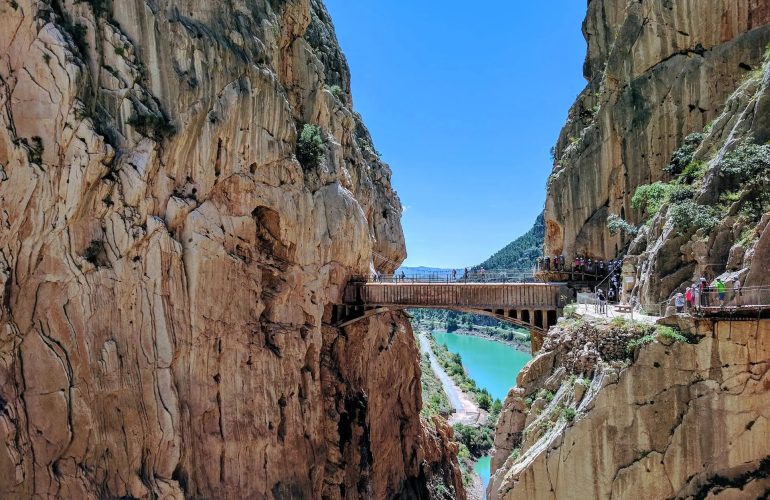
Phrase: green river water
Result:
[493,365]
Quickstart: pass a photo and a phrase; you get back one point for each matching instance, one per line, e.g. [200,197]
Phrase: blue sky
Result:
[464,101]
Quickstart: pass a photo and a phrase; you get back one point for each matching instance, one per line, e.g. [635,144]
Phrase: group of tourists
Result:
[547,263]
[581,264]
[704,294]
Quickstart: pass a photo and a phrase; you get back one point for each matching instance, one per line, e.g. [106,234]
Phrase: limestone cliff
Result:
[166,262]
[682,421]
[657,71]
[730,190]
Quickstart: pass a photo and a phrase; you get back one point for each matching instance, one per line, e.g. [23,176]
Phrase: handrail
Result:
[498,276]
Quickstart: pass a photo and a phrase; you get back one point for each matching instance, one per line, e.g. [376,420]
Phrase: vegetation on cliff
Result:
[434,399]
[521,253]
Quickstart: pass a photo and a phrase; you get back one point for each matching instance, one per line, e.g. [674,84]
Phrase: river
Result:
[493,365]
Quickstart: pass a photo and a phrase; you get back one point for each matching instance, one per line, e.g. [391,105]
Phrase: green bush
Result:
[485,400]
[478,440]
[649,198]
[336,91]
[748,165]
[568,414]
[310,146]
[692,172]
[683,156]
[669,333]
[680,193]
[689,215]
[615,225]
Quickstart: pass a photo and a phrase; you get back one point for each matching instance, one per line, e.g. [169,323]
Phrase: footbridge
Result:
[535,306]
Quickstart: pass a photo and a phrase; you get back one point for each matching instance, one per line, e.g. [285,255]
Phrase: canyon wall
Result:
[167,264]
[684,420]
[657,71]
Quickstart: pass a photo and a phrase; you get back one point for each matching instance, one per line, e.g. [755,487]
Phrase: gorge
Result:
[186,194]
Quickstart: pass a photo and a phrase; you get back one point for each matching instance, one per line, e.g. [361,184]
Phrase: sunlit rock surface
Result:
[657,71]
[166,264]
[683,421]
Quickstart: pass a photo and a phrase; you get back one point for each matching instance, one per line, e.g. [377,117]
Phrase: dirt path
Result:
[465,409]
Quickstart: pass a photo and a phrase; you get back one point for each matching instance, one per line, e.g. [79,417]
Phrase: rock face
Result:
[166,263]
[664,258]
[684,421]
[657,71]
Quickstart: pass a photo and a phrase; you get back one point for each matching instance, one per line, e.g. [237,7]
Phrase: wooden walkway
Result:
[535,306]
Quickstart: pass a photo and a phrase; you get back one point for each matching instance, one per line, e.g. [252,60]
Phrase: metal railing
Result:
[747,298]
[496,276]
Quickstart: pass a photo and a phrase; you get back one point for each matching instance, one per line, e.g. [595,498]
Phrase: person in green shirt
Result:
[721,290]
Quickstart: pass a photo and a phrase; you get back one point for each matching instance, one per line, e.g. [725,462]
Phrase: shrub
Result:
[568,414]
[680,193]
[151,125]
[638,342]
[570,311]
[692,172]
[690,215]
[477,439]
[310,146]
[336,91]
[683,156]
[484,400]
[747,165]
[669,333]
[615,225]
[649,198]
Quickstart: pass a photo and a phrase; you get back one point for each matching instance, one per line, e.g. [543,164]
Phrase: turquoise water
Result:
[481,467]
[493,365]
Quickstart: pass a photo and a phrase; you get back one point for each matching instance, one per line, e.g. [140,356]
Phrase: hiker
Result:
[695,295]
[703,288]
[721,291]
[602,301]
[547,263]
[611,295]
[539,264]
[454,274]
[465,275]
[483,273]
[688,296]
[737,289]
[679,302]
[403,276]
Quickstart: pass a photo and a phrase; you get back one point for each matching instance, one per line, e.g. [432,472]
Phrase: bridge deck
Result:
[535,306]
[450,295]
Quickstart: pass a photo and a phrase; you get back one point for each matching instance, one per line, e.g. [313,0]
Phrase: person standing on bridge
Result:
[721,291]
[688,296]
[679,302]
[602,300]
[454,275]
[483,273]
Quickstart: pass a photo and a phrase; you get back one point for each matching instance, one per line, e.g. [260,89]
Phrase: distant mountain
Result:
[522,252]
[423,271]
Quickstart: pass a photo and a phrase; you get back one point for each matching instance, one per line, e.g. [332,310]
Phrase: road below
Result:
[465,409]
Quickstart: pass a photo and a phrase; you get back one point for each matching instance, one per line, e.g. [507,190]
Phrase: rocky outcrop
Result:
[167,265]
[678,420]
[657,71]
[665,257]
